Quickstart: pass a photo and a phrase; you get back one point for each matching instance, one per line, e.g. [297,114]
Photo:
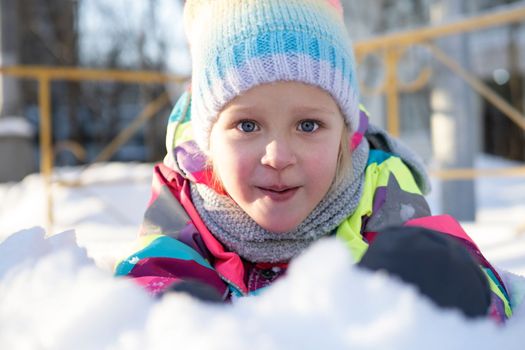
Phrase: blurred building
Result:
[16,134]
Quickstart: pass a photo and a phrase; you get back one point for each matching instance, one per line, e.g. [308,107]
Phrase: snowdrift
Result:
[53,296]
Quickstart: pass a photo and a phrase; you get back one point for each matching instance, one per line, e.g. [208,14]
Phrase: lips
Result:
[279,193]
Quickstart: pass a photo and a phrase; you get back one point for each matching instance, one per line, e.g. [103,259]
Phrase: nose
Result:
[279,154]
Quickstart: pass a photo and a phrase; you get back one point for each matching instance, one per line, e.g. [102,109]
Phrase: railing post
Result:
[391,89]
[46,145]
[479,86]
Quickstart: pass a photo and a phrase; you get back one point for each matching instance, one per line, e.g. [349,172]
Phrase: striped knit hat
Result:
[239,44]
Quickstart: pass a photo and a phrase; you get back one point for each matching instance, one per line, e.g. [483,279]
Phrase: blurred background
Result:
[86,87]
[123,34]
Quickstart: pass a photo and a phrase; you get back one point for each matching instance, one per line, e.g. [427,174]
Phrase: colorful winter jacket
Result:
[175,245]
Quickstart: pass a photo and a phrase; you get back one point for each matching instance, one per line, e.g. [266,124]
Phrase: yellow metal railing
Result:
[46,75]
[391,47]
[422,35]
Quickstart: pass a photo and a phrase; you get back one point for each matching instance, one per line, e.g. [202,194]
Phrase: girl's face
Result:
[275,150]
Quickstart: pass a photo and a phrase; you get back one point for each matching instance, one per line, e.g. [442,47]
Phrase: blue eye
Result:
[308,126]
[247,126]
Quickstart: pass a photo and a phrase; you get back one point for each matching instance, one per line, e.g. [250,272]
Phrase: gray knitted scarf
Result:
[239,233]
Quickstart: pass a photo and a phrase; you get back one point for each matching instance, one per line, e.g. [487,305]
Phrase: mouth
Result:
[279,193]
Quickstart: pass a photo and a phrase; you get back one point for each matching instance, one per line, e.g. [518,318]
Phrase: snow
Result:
[57,290]
[105,211]
[52,296]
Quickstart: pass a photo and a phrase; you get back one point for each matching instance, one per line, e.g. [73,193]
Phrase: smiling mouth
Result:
[279,194]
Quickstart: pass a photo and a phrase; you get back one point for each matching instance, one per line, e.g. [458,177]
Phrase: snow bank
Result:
[53,296]
[105,212]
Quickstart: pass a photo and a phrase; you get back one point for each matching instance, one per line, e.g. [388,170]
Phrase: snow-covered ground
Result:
[57,291]
[105,211]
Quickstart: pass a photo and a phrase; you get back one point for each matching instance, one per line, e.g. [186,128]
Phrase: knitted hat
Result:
[239,44]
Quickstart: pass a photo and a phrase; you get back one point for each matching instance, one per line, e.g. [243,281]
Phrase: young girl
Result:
[270,151]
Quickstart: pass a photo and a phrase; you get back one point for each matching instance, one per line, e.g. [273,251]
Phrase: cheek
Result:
[230,165]
[322,165]
[325,167]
